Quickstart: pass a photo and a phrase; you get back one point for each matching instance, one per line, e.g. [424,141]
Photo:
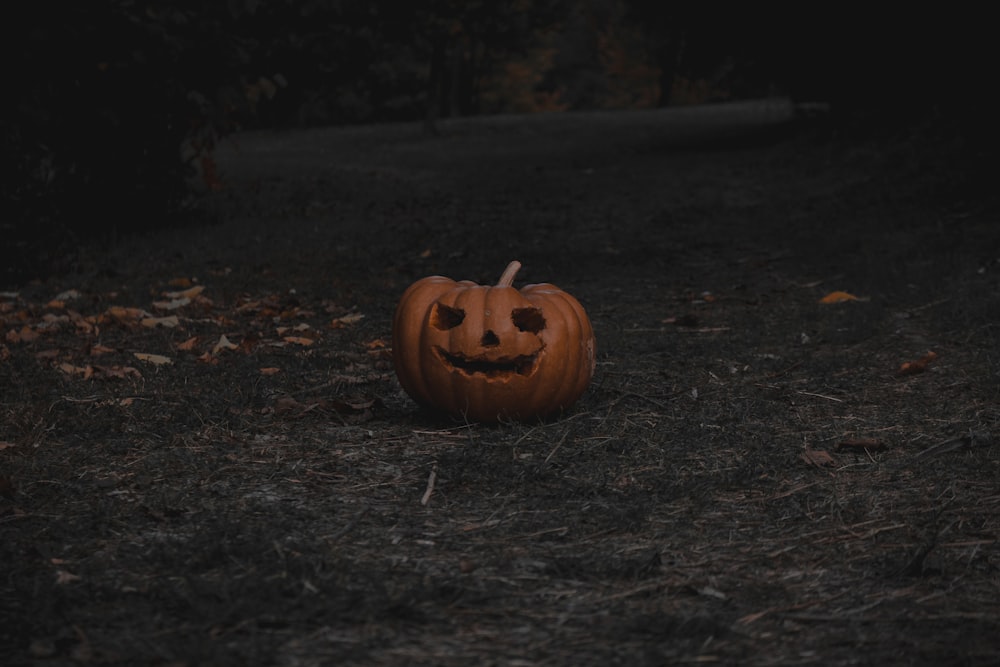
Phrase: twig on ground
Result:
[556,448]
[430,485]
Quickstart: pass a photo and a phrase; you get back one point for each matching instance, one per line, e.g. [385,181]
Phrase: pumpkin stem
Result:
[507,278]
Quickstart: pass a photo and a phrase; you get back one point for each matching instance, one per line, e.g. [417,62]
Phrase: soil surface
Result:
[206,458]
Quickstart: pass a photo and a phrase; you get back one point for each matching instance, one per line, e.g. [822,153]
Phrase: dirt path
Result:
[753,477]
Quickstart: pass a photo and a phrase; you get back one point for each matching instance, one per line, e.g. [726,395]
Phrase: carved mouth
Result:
[519,365]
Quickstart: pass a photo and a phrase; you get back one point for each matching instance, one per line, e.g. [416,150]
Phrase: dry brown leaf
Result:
[346,320]
[68,295]
[186,294]
[189,344]
[838,297]
[208,358]
[98,349]
[4,352]
[56,304]
[124,314]
[64,577]
[918,366]
[269,370]
[83,325]
[47,354]
[223,344]
[183,283]
[5,445]
[157,359]
[817,457]
[298,340]
[287,404]
[25,335]
[115,372]
[169,322]
[173,304]
[379,349]
[70,369]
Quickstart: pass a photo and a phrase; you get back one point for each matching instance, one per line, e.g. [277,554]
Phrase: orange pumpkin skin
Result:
[488,353]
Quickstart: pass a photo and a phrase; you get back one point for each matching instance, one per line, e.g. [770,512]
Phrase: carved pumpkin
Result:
[488,353]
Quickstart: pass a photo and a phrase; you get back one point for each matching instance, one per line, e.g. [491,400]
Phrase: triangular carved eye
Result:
[445,317]
[528,319]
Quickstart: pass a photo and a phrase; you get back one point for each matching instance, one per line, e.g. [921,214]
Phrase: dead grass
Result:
[706,501]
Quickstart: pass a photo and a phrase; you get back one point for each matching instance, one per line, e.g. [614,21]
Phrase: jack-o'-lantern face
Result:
[488,353]
[491,344]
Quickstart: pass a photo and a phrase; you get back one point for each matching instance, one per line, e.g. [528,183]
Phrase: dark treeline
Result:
[110,104]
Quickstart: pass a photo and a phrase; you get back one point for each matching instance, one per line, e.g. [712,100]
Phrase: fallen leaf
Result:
[5,445]
[98,349]
[51,322]
[169,322]
[918,366]
[223,344]
[115,372]
[352,405]
[4,352]
[189,344]
[64,577]
[56,304]
[157,359]
[180,282]
[47,354]
[838,297]
[379,349]
[68,295]
[173,304]
[70,369]
[345,320]
[269,371]
[186,294]
[207,358]
[298,340]
[302,326]
[123,314]
[709,591]
[25,335]
[817,457]
[83,325]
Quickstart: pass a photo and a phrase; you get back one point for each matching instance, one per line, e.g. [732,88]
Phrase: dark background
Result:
[113,107]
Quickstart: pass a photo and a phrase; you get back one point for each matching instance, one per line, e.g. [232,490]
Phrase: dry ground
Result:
[750,479]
